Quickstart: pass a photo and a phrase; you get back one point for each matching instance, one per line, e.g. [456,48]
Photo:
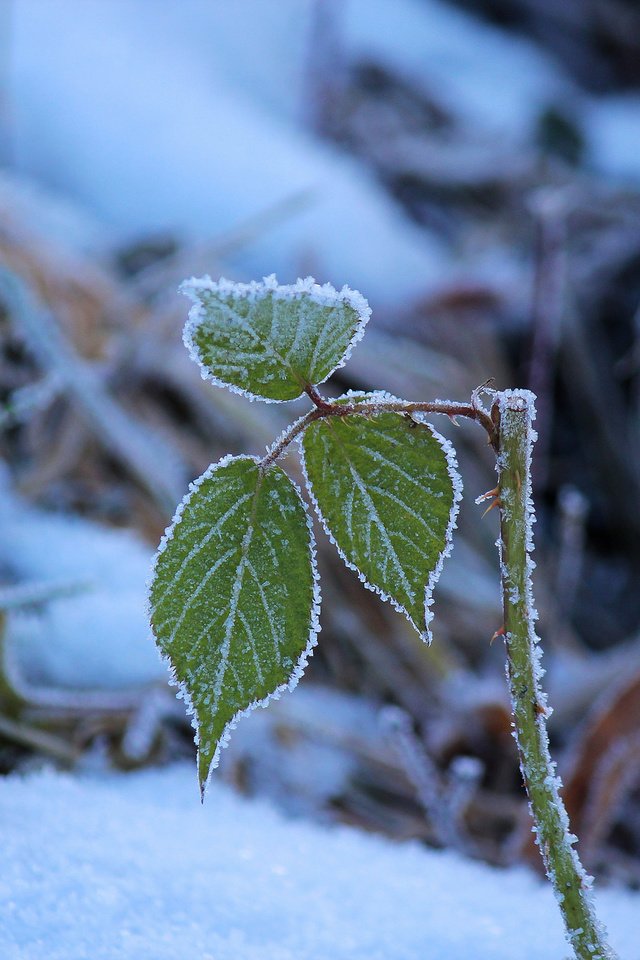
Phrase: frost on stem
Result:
[516,410]
[387,489]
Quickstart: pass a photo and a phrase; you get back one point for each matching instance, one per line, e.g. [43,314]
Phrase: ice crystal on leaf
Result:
[387,490]
[271,342]
[234,599]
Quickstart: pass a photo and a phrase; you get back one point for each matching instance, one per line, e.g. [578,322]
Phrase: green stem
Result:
[515,412]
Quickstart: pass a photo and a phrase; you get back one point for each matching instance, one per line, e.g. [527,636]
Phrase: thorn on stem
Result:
[496,503]
[489,495]
[494,496]
[475,394]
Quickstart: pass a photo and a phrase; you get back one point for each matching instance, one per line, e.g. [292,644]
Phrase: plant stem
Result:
[323,408]
[515,411]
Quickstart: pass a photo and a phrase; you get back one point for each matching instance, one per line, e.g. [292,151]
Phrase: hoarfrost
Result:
[301,663]
[382,397]
[520,496]
[324,295]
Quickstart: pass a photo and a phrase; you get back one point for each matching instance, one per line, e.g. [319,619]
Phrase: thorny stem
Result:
[510,433]
[514,412]
[324,408]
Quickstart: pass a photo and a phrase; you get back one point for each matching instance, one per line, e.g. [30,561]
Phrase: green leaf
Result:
[387,490]
[233,600]
[271,342]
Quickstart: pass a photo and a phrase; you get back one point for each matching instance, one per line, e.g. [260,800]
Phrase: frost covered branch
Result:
[379,403]
[235,597]
[570,882]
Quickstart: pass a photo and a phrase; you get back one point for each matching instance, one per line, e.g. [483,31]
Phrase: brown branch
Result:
[324,409]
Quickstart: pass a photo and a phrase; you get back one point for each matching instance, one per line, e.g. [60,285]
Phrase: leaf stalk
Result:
[324,408]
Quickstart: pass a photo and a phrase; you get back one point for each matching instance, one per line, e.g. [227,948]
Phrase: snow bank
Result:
[491,80]
[131,866]
[486,77]
[192,118]
[150,135]
[613,125]
[97,637]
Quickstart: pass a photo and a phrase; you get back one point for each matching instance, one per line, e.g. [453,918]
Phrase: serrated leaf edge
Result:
[456,480]
[301,663]
[324,294]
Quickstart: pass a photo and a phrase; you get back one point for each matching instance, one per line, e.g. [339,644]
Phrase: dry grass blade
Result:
[138,449]
[608,741]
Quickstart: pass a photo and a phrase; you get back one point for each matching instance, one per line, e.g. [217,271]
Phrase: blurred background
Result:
[473,168]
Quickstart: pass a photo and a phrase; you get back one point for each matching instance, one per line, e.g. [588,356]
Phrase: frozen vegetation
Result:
[137,115]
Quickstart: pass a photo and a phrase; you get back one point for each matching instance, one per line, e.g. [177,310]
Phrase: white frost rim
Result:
[456,481]
[301,663]
[324,294]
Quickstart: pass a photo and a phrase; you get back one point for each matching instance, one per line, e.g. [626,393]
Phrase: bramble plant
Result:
[235,597]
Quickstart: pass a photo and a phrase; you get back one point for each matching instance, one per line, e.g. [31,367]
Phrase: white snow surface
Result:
[97,637]
[193,118]
[132,867]
[171,140]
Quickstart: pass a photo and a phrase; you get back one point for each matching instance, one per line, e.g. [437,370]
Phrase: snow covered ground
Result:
[167,142]
[117,867]
[95,633]
[194,118]
[191,118]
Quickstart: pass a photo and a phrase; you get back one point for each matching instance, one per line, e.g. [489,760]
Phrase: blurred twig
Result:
[139,450]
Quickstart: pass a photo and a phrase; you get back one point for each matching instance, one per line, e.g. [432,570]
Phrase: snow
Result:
[614,139]
[204,125]
[98,635]
[486,77]
[495,82]
[25,203]
[189,118]
[131,866]
[207,156]
[314,762]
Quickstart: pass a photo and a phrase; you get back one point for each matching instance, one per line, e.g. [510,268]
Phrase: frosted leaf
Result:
[387,490]
[271,342]
[234,600]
